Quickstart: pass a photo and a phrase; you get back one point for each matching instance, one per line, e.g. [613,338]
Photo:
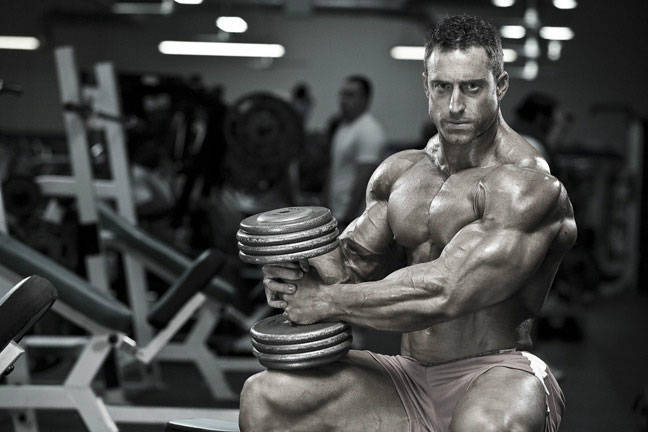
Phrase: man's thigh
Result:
[354,394]
[502,399]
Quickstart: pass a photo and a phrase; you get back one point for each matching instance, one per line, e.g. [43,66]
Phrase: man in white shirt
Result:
[357,148]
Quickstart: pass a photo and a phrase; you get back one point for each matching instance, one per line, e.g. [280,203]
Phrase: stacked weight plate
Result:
[280,344]
[292,234]
[287,234]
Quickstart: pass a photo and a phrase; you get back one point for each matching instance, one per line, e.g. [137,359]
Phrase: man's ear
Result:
[502,85]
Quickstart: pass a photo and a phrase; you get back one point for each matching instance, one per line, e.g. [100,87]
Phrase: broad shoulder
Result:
[390,170]
[514,149]
[523,196]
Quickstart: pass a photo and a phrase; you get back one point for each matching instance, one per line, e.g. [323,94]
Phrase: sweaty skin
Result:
[456,249]
[459,242]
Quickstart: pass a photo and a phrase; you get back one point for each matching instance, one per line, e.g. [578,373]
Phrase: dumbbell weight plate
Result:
[301,347]
[278,329]
[290,247]
[279,239]
[304,356]
[306,364]
[290,257]
[286,220]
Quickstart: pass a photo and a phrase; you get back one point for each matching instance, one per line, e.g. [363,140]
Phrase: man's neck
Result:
[354,118]
[480,152]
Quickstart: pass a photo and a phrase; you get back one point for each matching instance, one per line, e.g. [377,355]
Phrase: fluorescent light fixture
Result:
[531,48]
[556,33]
[554,49]
[224,49]
[503,3]
[565,4]
[530,70]
[19,42]
[513,31]
[231,24]
[531,18]
[189,2]
[402,52]
[510,55]
[131,8]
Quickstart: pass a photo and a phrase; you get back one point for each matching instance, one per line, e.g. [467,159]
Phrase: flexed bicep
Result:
[482,266]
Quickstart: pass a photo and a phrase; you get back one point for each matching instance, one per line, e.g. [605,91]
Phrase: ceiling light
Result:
[407,52]
[554,49]
[532,18]
[19,42]
[189,2]
[510,55]
[532,48]
[503,3]
[231,24]
[132,8]
[225,49]
[513,31]
[530,70]
[556,33]
[565,4]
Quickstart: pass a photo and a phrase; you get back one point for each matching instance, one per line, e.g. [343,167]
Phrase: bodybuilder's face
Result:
[463,95]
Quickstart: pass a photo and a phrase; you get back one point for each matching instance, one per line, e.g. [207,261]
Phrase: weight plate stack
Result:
[280,344]
[287,235]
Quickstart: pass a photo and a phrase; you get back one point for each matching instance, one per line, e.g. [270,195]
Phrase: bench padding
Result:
[72,290]
[137,239]
[192,281]
[22,306]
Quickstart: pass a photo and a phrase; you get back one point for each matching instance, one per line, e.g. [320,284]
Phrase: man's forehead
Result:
[458,64]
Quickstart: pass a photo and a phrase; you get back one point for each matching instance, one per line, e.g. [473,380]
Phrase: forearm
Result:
[395,303]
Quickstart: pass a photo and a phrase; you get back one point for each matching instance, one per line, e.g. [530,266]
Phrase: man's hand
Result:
[278,280]
[300,294]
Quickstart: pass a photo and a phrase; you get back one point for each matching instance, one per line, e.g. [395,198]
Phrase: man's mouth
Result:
[457,124]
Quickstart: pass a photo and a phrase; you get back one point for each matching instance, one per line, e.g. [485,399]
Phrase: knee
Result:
[482,420]
[265,399]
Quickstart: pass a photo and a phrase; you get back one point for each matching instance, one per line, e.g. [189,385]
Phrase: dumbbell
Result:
[292,234]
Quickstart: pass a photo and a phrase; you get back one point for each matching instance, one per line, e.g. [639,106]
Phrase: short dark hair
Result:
[463,32]
[364,82]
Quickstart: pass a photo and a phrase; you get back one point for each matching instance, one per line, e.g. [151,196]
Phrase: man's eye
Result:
[440,86]
[472,87]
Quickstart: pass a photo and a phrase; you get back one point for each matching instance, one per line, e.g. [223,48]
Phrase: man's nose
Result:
[457,105]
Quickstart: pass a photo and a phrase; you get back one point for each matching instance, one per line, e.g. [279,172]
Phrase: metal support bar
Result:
[89,362]
[9,355]
[69,88]
[157,415]
[163,337]
[65,186]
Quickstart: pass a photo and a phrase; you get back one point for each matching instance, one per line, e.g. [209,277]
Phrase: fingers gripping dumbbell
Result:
[292,234]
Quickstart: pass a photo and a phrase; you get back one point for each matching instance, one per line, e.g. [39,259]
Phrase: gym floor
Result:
[602,375]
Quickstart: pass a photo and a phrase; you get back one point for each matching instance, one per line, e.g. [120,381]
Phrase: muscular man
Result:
[356,150]
[457,249]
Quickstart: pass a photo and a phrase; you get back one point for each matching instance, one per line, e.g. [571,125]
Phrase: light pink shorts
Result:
[430,393]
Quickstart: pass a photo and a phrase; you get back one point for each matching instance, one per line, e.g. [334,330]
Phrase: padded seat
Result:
[201,425]
[192,281]
[139,240]
[22,306]
[72,290]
